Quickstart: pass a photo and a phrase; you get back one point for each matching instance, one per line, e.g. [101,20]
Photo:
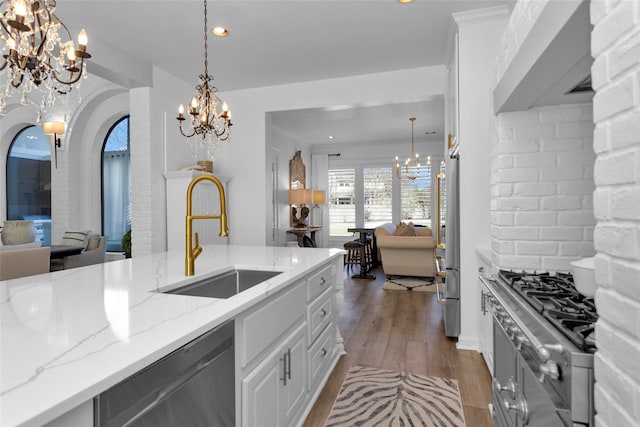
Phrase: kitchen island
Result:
[70,335]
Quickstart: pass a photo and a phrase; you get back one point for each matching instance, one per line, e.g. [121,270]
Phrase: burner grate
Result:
[557,299]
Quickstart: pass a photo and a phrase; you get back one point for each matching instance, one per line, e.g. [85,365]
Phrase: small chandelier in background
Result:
[38,53]
[210,119]
[411,168]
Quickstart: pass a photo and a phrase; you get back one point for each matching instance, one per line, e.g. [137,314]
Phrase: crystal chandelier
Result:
[38,53]
[411,168]
[210,119]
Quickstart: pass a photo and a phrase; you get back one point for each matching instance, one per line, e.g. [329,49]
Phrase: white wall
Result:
[542,188]
[479,36]
[615,44]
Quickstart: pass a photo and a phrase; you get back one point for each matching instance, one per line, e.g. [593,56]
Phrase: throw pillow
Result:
[413,229]
[404,230]
[75,238]
[93,242]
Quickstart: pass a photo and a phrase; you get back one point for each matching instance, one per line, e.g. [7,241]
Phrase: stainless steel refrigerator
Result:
[451,306]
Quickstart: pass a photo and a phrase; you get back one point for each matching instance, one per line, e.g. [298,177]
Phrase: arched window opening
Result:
[29,181]
[116,179]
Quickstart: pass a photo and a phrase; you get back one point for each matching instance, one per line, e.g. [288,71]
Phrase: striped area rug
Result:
[424,284]
[376,397]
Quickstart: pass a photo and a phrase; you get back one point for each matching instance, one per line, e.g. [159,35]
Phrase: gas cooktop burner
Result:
[557,299]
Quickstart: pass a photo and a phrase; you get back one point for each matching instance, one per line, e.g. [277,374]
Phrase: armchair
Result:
[24,262]
[93,254]
[406,255]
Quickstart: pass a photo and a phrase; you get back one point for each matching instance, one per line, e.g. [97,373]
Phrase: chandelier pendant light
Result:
[38,53]
[210,118]
[411,168]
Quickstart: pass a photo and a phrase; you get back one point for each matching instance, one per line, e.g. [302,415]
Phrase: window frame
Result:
[111,246]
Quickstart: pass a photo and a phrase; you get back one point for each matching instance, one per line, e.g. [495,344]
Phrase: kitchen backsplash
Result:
[542,187]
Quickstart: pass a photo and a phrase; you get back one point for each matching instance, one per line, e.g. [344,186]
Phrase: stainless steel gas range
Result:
[543,350]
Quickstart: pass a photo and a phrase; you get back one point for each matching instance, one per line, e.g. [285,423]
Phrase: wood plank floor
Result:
[403,331]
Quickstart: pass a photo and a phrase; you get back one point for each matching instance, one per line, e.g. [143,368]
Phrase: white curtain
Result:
[116,181]
[320,181]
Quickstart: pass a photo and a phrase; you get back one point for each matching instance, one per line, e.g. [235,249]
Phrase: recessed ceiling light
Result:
[405,1]
[220,31]
[330,136]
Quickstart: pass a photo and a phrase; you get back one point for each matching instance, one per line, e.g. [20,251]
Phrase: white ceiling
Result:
[279,42]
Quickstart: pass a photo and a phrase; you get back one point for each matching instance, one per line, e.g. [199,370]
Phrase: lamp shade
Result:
[51,128]
[300,196]
[319,197]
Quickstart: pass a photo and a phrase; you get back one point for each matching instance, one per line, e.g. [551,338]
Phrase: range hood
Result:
[553,64]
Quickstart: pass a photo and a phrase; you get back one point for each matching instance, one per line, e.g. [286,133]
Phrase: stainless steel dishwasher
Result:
[193,386]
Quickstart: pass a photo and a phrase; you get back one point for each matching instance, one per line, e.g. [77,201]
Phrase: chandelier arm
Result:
[69,82]
[43,34]
[206,46]
[184,134]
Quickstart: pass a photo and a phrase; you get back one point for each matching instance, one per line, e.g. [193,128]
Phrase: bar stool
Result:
[352,257]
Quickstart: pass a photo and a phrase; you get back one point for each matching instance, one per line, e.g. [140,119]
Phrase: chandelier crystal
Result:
[411,168]
[210,118]
[38,53]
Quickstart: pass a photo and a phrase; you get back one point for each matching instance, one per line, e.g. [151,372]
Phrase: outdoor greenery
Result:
[126,244]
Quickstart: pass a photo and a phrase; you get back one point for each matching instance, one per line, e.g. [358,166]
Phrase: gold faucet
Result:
[193,252]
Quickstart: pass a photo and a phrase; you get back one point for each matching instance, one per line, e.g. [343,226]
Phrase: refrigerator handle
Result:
[440,295]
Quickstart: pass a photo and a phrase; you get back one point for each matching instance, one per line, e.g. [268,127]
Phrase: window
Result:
[342,201]
[415,205]
[377,196]
[116,178]
[29,181]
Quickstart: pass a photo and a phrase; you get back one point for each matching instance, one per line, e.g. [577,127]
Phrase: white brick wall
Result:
[542,188]
[615,47]
[522,18]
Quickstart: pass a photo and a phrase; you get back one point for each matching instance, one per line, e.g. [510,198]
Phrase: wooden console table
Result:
[300,232]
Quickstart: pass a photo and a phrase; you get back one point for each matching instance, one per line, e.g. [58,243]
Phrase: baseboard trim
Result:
[468,343]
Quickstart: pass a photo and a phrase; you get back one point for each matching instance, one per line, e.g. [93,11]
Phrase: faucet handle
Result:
[197,240]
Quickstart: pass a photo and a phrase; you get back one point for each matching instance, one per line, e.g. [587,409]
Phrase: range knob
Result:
[520,406]
[510,387]
[521,339]
[549,369]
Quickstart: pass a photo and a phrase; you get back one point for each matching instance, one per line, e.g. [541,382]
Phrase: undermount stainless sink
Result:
[225,285]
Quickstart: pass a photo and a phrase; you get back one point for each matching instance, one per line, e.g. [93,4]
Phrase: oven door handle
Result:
[543,350]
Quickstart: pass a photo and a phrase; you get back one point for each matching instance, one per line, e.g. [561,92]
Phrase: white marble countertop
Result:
[70,335]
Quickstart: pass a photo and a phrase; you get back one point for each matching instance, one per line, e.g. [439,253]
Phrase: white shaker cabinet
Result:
[205,201]
[275,390]
[485,328]
[286,348]
[485,319]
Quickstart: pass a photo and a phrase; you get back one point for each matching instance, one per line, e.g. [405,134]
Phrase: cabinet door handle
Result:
[284,369]
[322,281]
[323,352]
[323,312]
[289,363]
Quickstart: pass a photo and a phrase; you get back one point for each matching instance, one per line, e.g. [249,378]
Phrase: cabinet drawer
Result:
[319,282]
[320,313]
[319,355]
[259,329]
